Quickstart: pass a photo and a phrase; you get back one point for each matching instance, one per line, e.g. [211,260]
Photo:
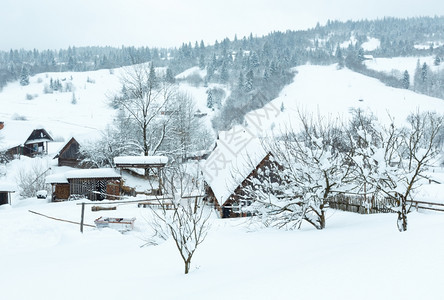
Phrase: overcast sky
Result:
[54,24]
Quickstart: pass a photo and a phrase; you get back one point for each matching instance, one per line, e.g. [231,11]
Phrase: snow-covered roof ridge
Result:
[238,152]
[6,187]
[15,133]
[141,160]
[83,173]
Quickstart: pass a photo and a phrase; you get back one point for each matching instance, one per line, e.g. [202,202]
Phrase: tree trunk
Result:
[322,220]
[187,265]
[402,215]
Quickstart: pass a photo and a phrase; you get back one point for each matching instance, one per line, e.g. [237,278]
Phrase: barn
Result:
[231,166]
[24,138]
[93,184]
[70,155]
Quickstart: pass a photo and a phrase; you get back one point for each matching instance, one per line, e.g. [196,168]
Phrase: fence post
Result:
[81,217]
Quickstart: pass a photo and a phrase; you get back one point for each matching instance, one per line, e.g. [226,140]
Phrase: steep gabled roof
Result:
[16,133]
[237,153]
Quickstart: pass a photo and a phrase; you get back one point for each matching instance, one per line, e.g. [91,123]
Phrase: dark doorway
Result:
[4,198]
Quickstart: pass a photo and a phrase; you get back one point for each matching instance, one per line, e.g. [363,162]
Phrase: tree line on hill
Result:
[255,68]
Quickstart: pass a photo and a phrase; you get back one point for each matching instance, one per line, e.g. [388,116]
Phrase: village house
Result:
[70,155]
[230,168]
[93,184]
[23,138]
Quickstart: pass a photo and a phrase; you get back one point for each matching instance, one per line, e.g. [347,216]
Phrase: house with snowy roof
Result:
[230,168]
[23,138]
[93,184]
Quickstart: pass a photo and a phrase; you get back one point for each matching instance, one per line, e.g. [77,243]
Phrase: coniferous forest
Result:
[256,68]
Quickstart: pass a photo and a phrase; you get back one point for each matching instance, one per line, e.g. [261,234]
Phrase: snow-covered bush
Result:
[31,178]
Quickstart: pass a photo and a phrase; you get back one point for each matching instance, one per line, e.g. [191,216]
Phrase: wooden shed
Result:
[70,155]
[93,184]
[151,164]
[231,166]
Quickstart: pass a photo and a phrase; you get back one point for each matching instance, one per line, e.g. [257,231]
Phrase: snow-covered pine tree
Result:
[24,76]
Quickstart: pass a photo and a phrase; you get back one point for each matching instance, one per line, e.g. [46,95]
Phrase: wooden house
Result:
[21,138]
[70,155]
[229,169]
[5,193]
[93,184]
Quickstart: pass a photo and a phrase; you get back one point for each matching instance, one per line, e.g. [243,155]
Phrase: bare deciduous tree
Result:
[183,216]
[392,160]
[146,98]
[309,170]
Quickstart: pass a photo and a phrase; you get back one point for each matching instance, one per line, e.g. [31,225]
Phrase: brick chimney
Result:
[2,124]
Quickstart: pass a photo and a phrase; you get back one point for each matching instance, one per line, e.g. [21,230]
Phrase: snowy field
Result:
[397,65]
[355,257]
[333,94]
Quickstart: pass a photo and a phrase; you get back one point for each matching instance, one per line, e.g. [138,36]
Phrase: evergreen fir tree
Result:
[339,57]
[240,82]
[249,81]
[224,73]
[406,80]
[424,72]
[169,76]
[202,62]
[437,61]
[210,102]
[24,76]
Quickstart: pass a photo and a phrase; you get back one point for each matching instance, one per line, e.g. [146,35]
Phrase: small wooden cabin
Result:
[70,155]
[93,184]
[20,138]
[229,169]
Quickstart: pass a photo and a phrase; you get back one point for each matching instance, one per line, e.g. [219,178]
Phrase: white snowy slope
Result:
[398,65]
[332,94]
[361,255]
[355,257]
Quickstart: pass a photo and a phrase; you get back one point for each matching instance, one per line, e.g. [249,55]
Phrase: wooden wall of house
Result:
[70,156]
[113,188]
[60,192]
[88,187]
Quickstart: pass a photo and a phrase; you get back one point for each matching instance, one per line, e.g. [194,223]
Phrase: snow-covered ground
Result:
[332,94]
[355,257]
[397,65]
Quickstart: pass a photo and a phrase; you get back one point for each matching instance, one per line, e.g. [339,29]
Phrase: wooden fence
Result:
[369,204]
[362,204]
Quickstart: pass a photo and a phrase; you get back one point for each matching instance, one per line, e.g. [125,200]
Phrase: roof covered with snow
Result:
[6,187]
[140,160]
[237,154]
[16,133]
[83,173]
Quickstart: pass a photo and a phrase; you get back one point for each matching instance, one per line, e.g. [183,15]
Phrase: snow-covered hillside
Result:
[397,65]
[333,93]
[355,256]
[55,111]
